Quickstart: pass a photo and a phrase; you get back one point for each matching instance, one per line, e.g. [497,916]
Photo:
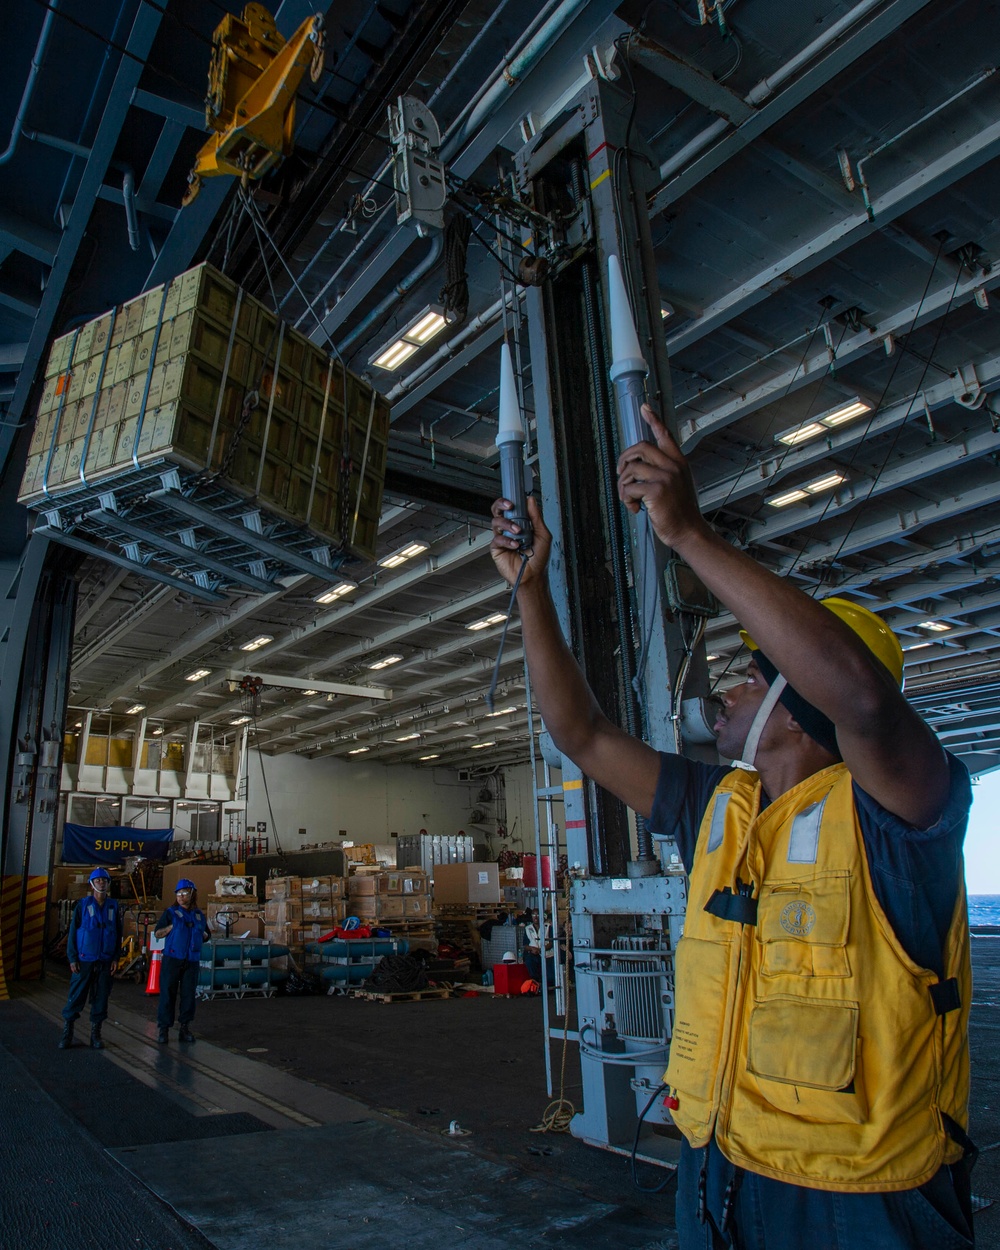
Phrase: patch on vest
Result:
[797,918]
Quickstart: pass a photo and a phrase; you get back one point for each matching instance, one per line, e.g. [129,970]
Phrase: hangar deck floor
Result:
[315,1122]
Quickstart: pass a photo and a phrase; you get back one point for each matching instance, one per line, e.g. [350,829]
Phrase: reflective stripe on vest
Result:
[718,826]
[803,841]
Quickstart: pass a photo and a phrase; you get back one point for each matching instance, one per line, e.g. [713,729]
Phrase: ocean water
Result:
[984,909]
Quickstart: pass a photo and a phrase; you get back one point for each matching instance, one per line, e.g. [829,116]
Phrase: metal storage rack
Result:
[222,983]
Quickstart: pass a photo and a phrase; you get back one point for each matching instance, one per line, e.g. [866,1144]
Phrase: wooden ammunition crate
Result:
[199,374]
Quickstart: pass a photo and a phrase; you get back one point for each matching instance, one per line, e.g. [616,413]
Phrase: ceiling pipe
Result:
[757,94]
[29,86]
[128,195]
[396,294]
[510,72]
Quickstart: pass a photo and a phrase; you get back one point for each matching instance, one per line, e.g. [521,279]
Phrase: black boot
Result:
[163,1036]
[66,1041]
[185,1034]
[95,1037]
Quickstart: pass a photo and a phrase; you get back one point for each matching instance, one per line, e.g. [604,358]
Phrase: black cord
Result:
[455,292]
[491,693]
[648,1189]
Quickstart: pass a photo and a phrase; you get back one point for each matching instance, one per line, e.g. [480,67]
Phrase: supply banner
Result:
[83,844]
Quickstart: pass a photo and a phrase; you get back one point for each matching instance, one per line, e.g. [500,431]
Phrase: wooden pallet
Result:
[409,996]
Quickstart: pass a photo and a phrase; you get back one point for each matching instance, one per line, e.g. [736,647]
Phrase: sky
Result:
[982,842]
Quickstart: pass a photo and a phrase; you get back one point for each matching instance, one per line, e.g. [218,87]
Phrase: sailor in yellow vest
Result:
[819,1063]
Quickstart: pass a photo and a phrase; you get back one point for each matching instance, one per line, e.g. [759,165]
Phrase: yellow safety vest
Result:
[806,1038]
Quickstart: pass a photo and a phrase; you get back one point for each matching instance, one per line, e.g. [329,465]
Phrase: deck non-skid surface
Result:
[319,1122]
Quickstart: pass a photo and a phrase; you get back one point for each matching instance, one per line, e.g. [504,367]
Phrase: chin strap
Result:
[774,693]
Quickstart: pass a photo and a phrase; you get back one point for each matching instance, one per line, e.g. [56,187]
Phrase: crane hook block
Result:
[252,82]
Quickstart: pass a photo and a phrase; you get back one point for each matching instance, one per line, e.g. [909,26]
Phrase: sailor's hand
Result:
[659,479]
[505,551]
[74,968]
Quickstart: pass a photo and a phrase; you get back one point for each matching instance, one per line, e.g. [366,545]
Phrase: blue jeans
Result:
[176,975]
[772,1215]
[94,978]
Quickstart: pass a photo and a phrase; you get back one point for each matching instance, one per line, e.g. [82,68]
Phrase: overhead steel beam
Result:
[365,646]
[696,427]
[844,53]
[28,237]
[405,693]
[850,230]
[892,526]
[859,491]
[93,649]
[283,682]
[754,477]
[696,84]
[181,648]
[140,40]
[109,584]
[471,671]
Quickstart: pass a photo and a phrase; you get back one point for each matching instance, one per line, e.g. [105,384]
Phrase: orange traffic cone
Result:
[155,956]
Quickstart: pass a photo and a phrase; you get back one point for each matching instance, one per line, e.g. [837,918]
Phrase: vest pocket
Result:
[701,982]
[803,926]
[804,1055]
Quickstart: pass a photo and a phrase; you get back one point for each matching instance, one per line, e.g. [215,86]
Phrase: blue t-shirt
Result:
[915,872]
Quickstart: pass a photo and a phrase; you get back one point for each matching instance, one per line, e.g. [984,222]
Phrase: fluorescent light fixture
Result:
[429,324]
[666,309]
[503,711]
[843,414]
[481,746]
[826,421]
[135,709]
[335,592]
[389,659]
[407,737]
[157,732]
[425,758]
[711,657]
[308,693]
[78,725]
[938,627]
[198,674]
[240,720]
[790,496]
[255,644]
[493,619]
[917,646]
[801,434]
[359,750]
[826,482]
[402,555]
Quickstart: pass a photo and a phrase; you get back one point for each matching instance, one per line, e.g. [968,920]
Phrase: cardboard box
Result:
[364,906]
[283,887]
[203,876]
[234,885]
[316,887]
[362,886]
[390,906]
[283,911]
[466,883]
[403,881]
[416,905]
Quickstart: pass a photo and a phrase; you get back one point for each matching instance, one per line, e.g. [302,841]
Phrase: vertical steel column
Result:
[580,166]
[33,711]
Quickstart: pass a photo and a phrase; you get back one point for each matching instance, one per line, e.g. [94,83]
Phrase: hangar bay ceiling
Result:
[824,220]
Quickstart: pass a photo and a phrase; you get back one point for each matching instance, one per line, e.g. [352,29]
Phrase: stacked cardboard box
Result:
[167,377]
[462,885]
[302,909]
[395,899]
[238,915]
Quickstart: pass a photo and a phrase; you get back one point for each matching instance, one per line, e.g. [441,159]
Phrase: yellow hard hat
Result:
[871,629]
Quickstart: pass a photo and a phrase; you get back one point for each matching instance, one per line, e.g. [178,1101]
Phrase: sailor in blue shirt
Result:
[93,946]
[185,929]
